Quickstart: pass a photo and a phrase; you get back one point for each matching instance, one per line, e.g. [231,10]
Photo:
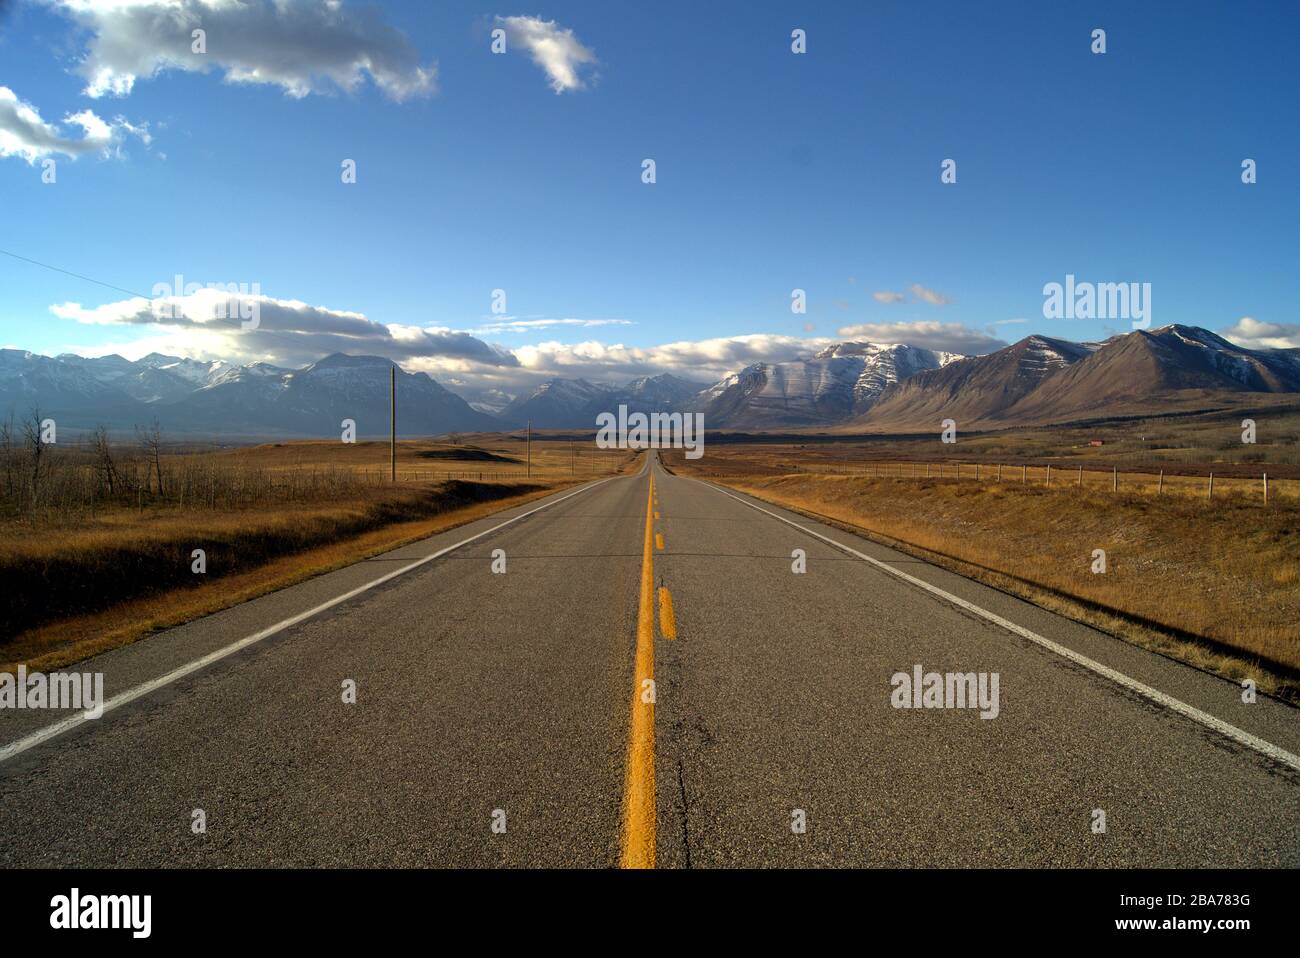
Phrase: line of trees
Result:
[41,478]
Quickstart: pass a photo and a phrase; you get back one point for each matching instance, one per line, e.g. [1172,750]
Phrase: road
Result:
[505,719]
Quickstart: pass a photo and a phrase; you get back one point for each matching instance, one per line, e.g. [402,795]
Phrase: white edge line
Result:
[72,721]
[1267,749]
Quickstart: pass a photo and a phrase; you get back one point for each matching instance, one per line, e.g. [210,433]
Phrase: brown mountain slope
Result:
[978,388]
[1040,380]
[1150,371]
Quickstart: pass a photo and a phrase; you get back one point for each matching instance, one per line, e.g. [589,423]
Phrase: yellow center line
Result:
[638,838]
[667,620]
[659,540]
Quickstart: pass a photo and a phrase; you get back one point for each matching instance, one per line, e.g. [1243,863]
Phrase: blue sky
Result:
[775,171]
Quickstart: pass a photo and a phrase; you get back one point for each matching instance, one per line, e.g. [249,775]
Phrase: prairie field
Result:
[97,543]
[1212,581]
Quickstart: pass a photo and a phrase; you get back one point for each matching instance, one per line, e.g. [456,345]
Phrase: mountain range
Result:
[575,403]
[839,383]
[848,386]
[1041,381]
[220,398]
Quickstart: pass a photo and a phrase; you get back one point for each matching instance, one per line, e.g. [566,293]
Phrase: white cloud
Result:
[526,325]
[918,292]
[1253,334]
[704,361]
[288,332]
[23,133]
[929,295]
[556,50]
[299,45]
[294,333]
[931,334]
[708,359]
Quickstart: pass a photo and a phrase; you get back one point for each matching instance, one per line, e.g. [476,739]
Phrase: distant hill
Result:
[1040,381]
[977,387]
[575,403]
[191,397]
[841,381]
[848,386]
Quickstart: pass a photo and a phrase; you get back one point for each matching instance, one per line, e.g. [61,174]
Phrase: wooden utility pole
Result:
[392,422]
[1266,488]
[530,449]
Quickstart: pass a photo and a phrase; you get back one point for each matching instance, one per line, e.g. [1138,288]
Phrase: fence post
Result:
[1210,495]
[1049,475]
[999,472]
[1266,488]
[1114,478]
[1160,489]
[1023,467]
[1081,477]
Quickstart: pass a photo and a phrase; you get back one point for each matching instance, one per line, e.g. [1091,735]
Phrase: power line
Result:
[90,279]
[68,272]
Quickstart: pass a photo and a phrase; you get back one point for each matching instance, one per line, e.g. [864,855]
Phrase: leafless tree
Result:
[151,442]
[35,445]
[105,467]
[9,454]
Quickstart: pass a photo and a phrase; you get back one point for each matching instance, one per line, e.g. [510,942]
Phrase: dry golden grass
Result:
[83,580]
[69,640]
[1210,583]
[419,460]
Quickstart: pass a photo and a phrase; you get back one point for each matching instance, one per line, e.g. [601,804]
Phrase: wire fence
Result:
[1260,487]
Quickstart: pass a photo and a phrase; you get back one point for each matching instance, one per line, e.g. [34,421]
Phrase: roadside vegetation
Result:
[98,536]
[1215,583]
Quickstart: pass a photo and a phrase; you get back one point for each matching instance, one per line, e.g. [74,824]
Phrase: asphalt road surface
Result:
[537,718]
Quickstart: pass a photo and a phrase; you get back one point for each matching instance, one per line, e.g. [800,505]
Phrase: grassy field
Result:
[1215,582]
[88,568]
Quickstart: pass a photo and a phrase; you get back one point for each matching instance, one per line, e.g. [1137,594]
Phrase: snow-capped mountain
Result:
[839,382]
[259,399]
[556,404]
[152,379]
[575,403]
[29,381]
[849,386]
[191,370]
[976,387]
[885,365]
[1170,367]
[1043,380]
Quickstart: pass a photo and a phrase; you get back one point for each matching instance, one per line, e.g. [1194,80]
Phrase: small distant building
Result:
[1096,442]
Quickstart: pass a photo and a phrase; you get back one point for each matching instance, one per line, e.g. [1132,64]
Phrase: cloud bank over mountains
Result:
[204,324]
